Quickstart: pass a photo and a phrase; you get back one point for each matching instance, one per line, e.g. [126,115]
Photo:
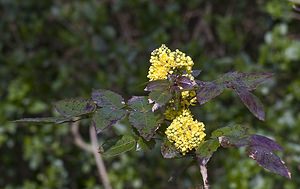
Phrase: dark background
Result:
[54,49]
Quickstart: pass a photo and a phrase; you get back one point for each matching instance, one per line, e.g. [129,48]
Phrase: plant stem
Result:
[99,161]
[203,171]
[91,148]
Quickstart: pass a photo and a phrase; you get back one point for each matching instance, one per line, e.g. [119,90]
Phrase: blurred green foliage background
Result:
[54,49]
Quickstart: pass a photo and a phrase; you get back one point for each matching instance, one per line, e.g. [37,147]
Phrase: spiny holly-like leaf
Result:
[268,160]
[158,85]
[74,107]
[160,97]
[106,98]
[125,144]
[140,104]
[145,122]
[56,120]
[168,150]
[206,149]
[185,82]
[208,91]
[106,117]
[251,102]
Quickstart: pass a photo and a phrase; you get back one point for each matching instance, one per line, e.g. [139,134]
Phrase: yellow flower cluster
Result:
[164,62]
[185,132]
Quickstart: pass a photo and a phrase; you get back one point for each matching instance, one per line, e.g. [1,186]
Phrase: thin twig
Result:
[99,161]
[91,148]
[78,139]
[203,171]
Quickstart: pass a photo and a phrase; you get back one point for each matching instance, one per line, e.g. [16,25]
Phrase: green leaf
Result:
[145,145]
[125,144]
[106,98]
[56,120]
[146,123]
[232,136]
[232,130]
[139,103]
[74,107]
[142,118]
[160,97]
[207,148]
[106,117]
[168,150]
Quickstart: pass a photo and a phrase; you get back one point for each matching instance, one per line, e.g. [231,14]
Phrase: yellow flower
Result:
[188,98]
[164,62]
[185,132]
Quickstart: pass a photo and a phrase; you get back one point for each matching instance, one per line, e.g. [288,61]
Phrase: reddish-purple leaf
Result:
[251,102]
[268,160]
[246,80]
[259,140]
[185,82]
[252,80]
[208,91]
[158,85]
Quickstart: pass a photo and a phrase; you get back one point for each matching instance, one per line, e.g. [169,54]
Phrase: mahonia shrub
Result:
[164,116]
